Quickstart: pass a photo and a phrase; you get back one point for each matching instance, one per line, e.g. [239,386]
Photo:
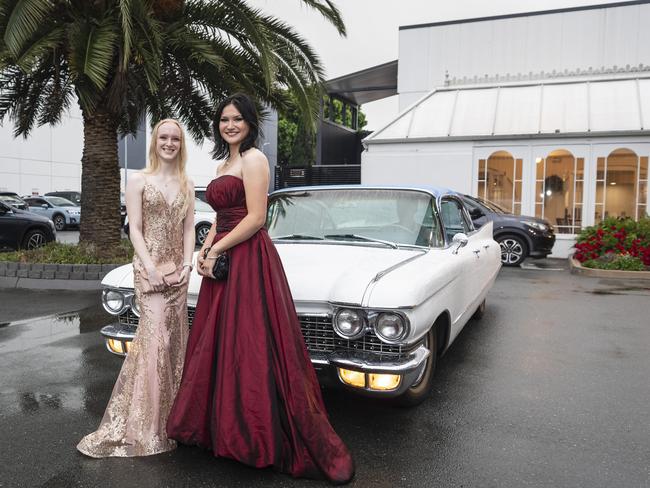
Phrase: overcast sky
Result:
[373,25]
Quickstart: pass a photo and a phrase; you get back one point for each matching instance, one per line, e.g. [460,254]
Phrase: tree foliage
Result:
[122,59]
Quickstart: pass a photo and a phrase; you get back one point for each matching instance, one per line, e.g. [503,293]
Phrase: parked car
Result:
[204,216]
[23,230]
[383,280]
[199,192]
[11,198]
[73,196]
[123,208]
[519,236]
[62,212]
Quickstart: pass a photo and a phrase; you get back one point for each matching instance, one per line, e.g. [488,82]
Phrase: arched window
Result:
[559,184]
[621,185]
[499,180]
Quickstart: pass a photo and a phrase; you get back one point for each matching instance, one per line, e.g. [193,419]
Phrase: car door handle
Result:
[487,246]
[477,252]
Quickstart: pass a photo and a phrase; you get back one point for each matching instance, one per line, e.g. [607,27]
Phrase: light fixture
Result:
[549,193]
[352,378]
[613,183]
[383,381]
[538,160]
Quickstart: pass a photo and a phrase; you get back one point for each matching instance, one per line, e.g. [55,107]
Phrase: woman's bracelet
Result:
[189,265]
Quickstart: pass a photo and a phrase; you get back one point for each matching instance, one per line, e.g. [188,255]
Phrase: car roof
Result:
[434,191]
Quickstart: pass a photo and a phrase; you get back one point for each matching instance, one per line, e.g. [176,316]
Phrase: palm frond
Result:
[328,10]
[126,19]
[100,51]
[25,19]
[40,47]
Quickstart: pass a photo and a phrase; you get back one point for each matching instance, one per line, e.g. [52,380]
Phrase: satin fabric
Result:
[249,391]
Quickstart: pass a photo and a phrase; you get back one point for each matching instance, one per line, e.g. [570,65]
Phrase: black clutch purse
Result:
[221,265]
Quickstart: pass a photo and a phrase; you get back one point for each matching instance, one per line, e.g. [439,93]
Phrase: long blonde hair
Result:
[153,165]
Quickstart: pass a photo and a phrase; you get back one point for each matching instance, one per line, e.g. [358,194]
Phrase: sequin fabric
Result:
[136,415]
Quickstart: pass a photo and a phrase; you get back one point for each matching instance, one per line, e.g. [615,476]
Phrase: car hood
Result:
[336,272]
[34,217]
[340,273]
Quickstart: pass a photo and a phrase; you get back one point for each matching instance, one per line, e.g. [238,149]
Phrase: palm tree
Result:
[122,59]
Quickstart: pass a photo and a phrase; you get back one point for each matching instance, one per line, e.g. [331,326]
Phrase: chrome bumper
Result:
[408,366]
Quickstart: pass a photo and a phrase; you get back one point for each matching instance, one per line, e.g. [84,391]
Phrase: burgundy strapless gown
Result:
[249,391]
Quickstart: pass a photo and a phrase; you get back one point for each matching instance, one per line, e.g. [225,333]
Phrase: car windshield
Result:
[12,200]
[369,216]
[201,206]
[60,202]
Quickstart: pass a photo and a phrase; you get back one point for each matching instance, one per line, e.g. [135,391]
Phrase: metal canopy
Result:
[366,85]
[576,107]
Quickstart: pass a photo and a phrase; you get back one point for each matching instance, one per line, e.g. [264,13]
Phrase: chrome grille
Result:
[319,336]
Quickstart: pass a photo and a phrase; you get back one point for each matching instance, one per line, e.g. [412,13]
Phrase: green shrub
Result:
[59,253]
[623,262]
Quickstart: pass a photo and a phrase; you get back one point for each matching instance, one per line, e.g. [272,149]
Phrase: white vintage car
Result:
[383,279]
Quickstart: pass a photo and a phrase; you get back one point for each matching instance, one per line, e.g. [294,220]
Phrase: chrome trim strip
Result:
[370,363]
[366,294]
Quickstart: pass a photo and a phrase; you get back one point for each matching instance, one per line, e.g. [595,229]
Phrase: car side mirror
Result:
[459,240]
[476,213]
[44,206]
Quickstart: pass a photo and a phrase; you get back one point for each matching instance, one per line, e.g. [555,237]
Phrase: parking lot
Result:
[548,389]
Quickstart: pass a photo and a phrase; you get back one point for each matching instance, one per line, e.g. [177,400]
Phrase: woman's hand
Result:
[184,277]
[155,278]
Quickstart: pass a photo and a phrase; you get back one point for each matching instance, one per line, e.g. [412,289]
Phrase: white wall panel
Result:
[398,129]
[518,110]
[67,141]
[72,170]
[39,144]
[598,38]
[32,167]
[431,118]
[10,182]
[565,108]
[474,113]
[9,146]
[614,106]
[34,184]
[60,183]
[9,165]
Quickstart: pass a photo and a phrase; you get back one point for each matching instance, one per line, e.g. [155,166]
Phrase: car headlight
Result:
[73,212]
[113,301]
[535,225]
[349,324]
[135,306]
[390,327]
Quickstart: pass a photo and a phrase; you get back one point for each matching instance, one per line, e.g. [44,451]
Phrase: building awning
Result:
[547,108]
[366,85]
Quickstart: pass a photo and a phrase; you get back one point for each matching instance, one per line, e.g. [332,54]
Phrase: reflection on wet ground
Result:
[541,392]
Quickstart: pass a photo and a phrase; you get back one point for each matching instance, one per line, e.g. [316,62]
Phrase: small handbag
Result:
[221,265]
[171,276]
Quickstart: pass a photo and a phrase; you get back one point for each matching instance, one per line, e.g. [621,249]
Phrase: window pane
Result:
[538,210]
[481,169]
[578,198]
[539,171]
[577,221]
[600,193]
[580,169]
[600,173]
[558,190]
[518,164]
[643,192]
[500,179]
[517,210]
[517,192]
[481,189]
[539,192]
[598,214]
[620,184]
[643,168]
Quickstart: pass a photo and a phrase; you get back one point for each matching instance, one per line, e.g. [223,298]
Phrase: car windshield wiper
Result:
[305,237]
[358,237]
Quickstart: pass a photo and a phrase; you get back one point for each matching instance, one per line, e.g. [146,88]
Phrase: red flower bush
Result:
[615,238]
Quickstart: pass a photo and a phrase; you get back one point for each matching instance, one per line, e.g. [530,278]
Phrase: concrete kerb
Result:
[577,268]
[39,276]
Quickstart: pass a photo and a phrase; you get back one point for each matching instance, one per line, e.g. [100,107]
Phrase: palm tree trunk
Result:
[100,185]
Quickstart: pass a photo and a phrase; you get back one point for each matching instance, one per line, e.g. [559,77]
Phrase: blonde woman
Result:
[160,205]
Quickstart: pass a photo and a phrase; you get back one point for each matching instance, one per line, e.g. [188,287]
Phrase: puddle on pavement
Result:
[48,329]
[47,367]
[627,290]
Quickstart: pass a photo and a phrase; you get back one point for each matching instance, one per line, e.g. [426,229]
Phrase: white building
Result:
[544,113]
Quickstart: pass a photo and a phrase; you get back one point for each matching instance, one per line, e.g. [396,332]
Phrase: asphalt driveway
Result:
[550,388]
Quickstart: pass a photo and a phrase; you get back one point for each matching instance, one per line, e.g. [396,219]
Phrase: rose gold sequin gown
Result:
[136,415]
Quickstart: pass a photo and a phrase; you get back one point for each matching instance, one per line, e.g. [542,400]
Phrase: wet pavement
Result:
[549,389]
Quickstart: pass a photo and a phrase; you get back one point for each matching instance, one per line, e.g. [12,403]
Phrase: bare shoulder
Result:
[136,181]
[255,161]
